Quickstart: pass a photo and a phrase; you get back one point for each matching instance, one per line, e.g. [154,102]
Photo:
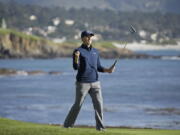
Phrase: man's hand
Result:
[77,54]
[110,70]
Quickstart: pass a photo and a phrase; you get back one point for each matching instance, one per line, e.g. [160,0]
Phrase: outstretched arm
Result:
[109,70]
[105,70]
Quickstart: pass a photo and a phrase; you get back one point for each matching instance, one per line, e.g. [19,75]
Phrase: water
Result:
[141,93]
[161,52]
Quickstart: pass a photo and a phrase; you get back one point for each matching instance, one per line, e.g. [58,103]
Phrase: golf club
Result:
[132,31]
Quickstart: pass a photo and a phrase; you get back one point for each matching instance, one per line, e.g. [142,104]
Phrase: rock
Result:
[7,72]
[4,71]
[36,72]
[54,73]
[163,111]
[124,53]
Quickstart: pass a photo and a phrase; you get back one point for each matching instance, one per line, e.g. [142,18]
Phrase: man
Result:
[86,61]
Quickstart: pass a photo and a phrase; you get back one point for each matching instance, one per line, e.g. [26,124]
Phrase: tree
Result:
[3,23]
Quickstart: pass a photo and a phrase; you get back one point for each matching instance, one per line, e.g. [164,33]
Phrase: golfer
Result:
[86,61]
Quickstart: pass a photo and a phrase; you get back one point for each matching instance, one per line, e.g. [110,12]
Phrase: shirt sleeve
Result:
[75,65]
[99,67]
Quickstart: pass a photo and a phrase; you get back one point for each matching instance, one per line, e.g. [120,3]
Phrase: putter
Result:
[132,31]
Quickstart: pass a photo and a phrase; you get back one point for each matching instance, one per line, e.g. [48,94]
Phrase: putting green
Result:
[13,127]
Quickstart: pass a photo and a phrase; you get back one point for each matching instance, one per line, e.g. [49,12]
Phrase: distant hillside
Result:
[66,3]
[59,23]
[122,5]
[146,5]
[14,44]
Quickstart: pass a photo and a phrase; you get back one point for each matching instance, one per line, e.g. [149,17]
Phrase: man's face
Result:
[87,40]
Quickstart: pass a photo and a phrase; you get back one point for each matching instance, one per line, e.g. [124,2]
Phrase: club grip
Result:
[114,63]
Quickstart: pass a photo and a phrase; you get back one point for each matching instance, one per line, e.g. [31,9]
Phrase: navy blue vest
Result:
[89,64]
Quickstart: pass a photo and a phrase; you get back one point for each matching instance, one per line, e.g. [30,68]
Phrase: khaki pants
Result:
[94,89]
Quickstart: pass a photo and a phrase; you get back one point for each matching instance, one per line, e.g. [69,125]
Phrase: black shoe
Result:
[67,127]
[101,129]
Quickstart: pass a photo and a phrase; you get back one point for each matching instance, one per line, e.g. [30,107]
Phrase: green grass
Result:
[19,34]
[25,36]
[96,44]
[12,127]
[104,44]
[70,43]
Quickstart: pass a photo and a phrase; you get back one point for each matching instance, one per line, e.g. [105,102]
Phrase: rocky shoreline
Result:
[17,45]
[11,72]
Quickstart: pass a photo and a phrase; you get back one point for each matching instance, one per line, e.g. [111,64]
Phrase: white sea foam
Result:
[142,47]
[23,73]
[170,58]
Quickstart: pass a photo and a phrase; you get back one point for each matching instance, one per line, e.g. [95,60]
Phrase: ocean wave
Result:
[110,109]
[68,73]
[36,107]
[163,111]
[140,46]
[24,73]
[170,57]
[31,96]
[143,108]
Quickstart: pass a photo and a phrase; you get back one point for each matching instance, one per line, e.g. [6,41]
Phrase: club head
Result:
[132,29]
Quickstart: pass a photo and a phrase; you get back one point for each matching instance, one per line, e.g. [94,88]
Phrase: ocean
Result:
[142,93]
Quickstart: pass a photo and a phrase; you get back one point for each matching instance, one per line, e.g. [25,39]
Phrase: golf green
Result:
[13,127]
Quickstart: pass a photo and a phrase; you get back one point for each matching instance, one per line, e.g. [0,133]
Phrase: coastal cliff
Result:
[15,44]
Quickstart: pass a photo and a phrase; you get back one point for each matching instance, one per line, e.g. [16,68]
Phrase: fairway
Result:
[12,127]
